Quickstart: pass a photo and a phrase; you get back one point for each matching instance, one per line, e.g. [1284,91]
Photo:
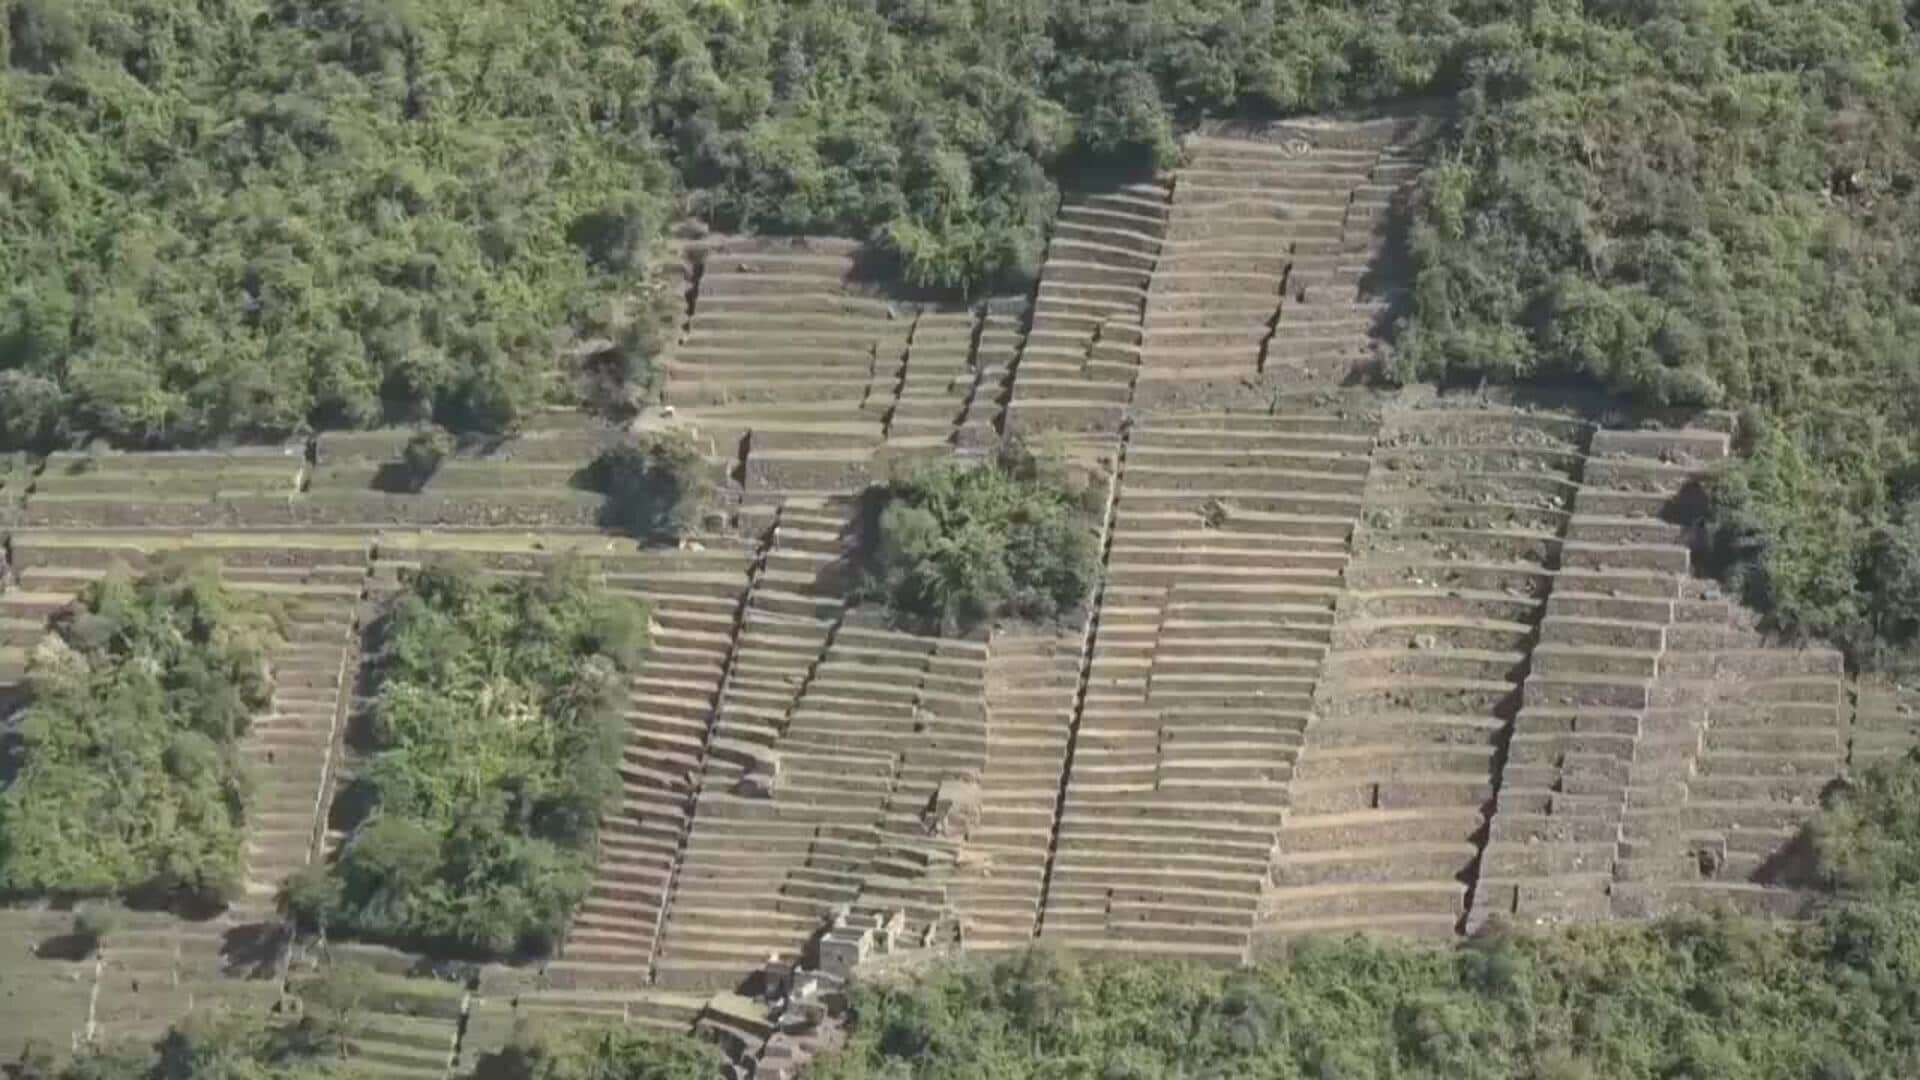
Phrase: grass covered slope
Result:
[317,1036]
[1694,997]
[128,779]
[496,743]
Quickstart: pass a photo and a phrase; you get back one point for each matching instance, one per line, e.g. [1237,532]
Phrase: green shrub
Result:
[92,923]
[1868,837]
[1890,580]
[496,740]
[953,546]
[422,457]
[1691,997]
[656,489]
[591,1051]
[130,779]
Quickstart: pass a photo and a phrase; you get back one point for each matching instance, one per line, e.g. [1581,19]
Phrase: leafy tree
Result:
[656,489]
[92,924]
[496,739]
[129,778]
[954,546]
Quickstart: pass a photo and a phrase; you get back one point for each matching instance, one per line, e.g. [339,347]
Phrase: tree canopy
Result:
[128,778]
[496,741]
[953,545]
[245,218]
[656,488]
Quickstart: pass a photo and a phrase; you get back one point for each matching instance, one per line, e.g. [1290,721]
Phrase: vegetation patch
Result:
[952,546]
[127,776]
[421,458]
[228,220]
[656,488]
[496,740]
[592,1051]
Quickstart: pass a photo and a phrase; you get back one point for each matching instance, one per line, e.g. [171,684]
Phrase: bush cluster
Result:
[656,488]
[496,740]
[592,1051]
[232,220]
[128,777]
[952,546]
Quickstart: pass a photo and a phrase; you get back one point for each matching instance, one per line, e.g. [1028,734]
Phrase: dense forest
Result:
[126,775]
[493,748]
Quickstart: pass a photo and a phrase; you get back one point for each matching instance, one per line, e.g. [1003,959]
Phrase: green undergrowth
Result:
[495,744]
[126,774]
[951,546]
[594,1051]
[234,218]
[1703,998]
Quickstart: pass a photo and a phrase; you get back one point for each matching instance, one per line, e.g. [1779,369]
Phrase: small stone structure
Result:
[854,937]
